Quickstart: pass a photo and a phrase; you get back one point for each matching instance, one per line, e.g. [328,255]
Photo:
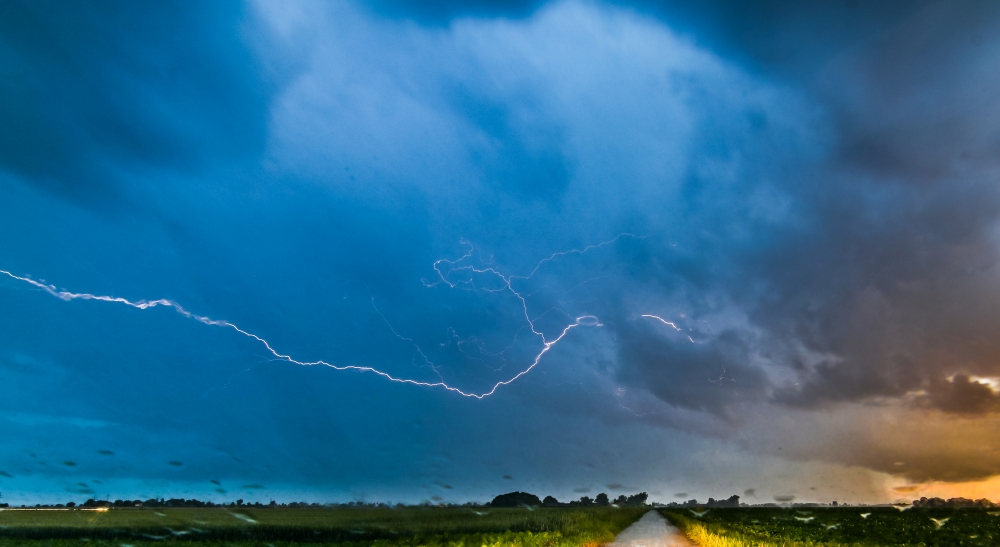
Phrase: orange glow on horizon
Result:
[987,488]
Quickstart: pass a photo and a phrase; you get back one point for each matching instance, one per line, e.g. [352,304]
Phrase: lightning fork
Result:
[547,344]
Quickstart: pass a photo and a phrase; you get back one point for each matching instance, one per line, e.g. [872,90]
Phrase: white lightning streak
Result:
[583,320]
[509,279]
[662,320]
[671,323]
[581,251]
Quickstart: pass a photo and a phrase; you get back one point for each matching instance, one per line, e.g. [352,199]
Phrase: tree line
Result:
[524,499]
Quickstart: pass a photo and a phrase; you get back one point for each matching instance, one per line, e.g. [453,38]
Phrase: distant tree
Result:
[637,500]
[602,499]
[586,501]
[953,502]
[620,500]
[516,499]
[733,501]
[550,501]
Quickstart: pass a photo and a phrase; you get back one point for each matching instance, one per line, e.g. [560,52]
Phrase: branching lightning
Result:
[507,285]
[722,378]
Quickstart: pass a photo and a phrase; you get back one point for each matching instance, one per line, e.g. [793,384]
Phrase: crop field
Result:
[353,527]
[837,526]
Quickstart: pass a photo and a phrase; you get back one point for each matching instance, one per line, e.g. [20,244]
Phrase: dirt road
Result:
[652,530]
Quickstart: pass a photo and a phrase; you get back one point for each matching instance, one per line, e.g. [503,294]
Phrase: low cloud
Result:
[962,395]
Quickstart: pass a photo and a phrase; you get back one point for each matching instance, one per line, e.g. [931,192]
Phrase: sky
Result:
[417,251]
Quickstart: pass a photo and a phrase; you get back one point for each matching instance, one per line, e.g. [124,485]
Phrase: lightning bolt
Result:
[662,320]
[508,280]
[547,343]
[670,323]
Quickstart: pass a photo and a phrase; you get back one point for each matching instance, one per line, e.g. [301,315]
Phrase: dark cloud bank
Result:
[811,201]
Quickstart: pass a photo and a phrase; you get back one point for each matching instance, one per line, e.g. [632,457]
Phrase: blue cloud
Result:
[300,170]
[100,94]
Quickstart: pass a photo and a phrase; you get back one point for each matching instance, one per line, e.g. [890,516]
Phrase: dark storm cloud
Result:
[792,38]
[961,394]
[896,290]
[882,282]
[440,13]
[811,229]
[899,232]
[386,148]
[98,92]
[917,101]
[708,376]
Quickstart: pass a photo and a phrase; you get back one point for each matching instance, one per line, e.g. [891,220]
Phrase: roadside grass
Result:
[701,536]
[350,527]
[707,535]
[838,527]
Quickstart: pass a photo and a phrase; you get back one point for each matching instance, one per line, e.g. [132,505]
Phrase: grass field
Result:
[838,526]
[361,527]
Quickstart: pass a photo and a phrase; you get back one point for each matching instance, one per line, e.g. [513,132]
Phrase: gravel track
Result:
[652,530]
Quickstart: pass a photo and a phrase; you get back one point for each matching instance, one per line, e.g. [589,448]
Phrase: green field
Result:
[361,527]
[489,527]
[838,526]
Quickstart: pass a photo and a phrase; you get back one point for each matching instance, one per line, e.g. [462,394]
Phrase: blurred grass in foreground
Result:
[403,527]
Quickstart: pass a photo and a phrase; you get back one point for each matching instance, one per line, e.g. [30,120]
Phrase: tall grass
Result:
[704,536]
[718,535]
